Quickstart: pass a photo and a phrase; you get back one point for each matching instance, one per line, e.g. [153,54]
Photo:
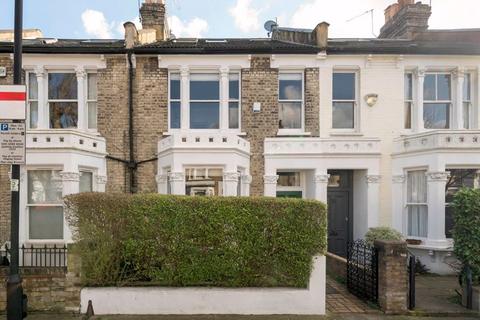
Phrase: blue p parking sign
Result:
[3,126]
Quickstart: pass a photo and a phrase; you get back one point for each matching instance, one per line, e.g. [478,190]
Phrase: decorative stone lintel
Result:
[81,73]
[70,176]
[176,176]
[270,179]
[437,176]
[101,179]
[246,179]
[373,179]
[161,178]
[230,176]
[321,178]
[399,179]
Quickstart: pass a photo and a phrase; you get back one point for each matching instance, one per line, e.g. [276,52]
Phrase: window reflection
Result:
[204,181]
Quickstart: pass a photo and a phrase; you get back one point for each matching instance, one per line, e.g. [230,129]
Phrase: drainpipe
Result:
[132,164]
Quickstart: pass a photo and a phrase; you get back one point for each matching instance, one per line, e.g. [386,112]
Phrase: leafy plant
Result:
[382,233]
[466,232]
[196,241]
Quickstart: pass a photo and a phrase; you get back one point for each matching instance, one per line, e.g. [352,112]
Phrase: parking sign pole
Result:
[14,282]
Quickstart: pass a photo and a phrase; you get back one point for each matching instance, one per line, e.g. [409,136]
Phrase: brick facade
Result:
[5,61]
[259,84]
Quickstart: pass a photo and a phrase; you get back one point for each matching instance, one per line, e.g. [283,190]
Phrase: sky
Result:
[226,18]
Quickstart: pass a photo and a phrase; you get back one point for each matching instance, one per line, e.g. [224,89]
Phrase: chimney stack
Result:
[404,18]
[321,35]
[154,20]
[131,35]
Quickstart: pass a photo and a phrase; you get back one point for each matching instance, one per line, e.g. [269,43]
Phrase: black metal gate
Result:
[411,281]
[362,270]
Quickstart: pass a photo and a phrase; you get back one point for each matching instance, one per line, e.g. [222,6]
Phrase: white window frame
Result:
[88,101]
[170,100]
[47,98]
[408,204]
[190,100]
[239,100]
[450,102]
[302,187]
[31,73]
[411,101]
[28,206]
[356,104]
[302,129]
[468,102]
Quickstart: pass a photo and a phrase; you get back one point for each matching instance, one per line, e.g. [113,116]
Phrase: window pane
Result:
[343,117]
[233,115]
[436,115]
[86,182]
[444,87]
[417,221]
[204,87]
[33,115]
[92,86]
[234,85]
[466,115]
[32,86]
[63,115]
[62,86]
[203,182]
[44,187]
[92,115]
[429,87]
[408,86]
[467,87]
[46,223]
[288,179]
[204,115]
[175,111]
[344,86]
[290,86]
[290,115]
[408,115]
[175,86]
[417,187]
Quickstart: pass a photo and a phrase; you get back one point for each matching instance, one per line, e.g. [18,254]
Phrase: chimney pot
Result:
[321,34]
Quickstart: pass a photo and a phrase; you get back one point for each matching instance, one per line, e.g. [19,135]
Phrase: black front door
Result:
[340,195]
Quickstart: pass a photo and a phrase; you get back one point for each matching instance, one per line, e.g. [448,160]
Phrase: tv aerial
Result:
[270,25]
[371,17]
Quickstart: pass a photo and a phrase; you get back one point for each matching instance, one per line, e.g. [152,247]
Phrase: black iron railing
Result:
[46,256]
[362,270]
[412,263]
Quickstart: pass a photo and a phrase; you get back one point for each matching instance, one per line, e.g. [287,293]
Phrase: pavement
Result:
[225,317]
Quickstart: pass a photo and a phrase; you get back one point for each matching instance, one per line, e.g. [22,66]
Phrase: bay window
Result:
[45,208]
[417,208]
[234,101]
[204,181]
[289,184]
[86,181]
[467,101]
[63,100]
[290,101]
[437,100]
[344,100]
[204,101]
[458,178]
[175,102]
[408,100]
[92,100]
[32,100]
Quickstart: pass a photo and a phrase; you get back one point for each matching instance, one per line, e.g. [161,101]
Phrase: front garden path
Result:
[339,300]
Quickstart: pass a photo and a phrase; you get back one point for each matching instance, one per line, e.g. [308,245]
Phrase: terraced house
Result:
[384,130]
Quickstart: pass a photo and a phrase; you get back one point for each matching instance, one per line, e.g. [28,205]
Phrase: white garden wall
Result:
[185,301]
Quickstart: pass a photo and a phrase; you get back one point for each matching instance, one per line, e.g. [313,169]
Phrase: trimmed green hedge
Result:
[196,241]
[466,232]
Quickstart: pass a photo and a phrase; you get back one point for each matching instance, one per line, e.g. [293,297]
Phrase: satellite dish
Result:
[270,25]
